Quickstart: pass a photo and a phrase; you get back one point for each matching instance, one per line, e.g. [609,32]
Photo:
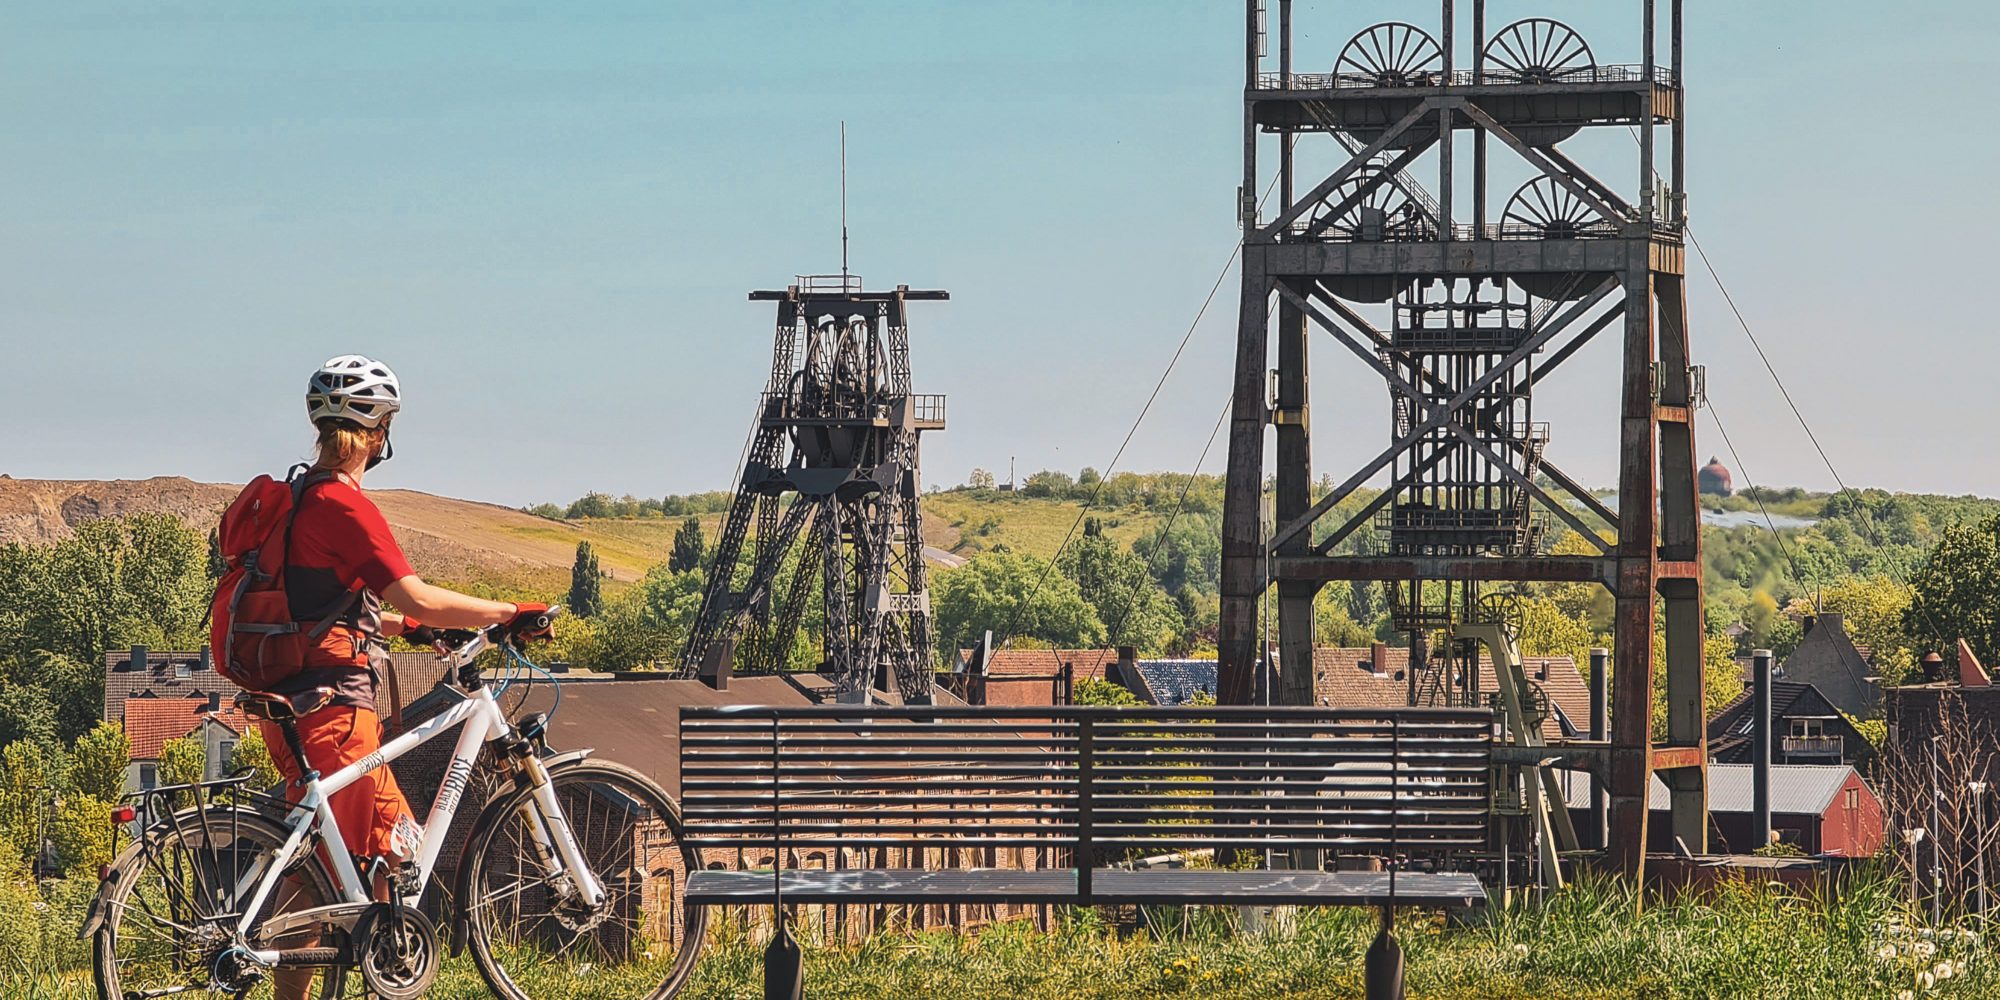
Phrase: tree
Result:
[980,480]
[1000,591]
[1097,691]
[28,779]
[1956,592]
[1547,631]
[1116,585]
[586,597]
[689,547]
[97,762]
[252,755]
[1873,610]
[589,505]
[1048,483]
[183,761]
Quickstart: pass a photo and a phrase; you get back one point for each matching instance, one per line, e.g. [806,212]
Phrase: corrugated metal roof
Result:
[1796,789]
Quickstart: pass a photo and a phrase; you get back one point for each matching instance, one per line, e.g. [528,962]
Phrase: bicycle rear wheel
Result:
[168,899]
[529,937]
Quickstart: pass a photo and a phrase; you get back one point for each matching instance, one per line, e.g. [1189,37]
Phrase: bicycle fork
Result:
[555,842]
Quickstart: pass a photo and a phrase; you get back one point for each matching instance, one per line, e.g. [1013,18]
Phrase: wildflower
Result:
[1926,980]
[1886,953]
[1905,995]
[1521,950]
[1924,949]
[1943,970]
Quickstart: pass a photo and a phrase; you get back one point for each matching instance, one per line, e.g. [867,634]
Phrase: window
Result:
[1853,799]
[1808,727]
[148,775]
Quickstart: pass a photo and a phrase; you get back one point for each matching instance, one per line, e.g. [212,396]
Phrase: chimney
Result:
[716,664]
[975,679]
[1066,684]
[1970,673]
[215,701]
[1933,666]
[1378,659]
[1806,626]
[139,658]
[207,659]
[1128,665]
[1760,749]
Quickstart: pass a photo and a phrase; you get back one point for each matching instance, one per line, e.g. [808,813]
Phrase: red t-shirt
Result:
[339,542]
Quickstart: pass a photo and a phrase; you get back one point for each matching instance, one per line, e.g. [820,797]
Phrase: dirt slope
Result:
[446,539]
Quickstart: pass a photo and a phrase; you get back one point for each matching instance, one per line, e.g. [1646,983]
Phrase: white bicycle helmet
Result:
[355,388]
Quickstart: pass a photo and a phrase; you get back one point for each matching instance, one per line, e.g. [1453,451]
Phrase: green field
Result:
[1590,942]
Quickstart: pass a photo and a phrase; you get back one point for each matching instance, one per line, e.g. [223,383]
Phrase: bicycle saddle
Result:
[277,708]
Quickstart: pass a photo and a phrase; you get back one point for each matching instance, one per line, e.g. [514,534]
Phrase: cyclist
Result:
[342,557]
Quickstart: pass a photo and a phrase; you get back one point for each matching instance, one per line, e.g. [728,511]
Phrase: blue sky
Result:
[546,218]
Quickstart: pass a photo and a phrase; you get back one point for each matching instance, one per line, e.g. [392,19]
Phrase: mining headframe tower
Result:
[830,486]
[1464,310]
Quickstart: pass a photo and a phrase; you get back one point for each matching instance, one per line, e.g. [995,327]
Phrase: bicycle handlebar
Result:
[459,647]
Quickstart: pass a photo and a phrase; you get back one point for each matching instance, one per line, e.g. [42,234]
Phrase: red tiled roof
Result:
[1344,677]
[1044,662]
[151,722]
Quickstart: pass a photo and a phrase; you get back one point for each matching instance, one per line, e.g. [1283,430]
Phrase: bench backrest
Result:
[1105,782]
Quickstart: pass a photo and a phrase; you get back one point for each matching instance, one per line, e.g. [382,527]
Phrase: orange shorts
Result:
[366,811]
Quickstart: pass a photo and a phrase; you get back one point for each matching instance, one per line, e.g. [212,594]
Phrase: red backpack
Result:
[256,641]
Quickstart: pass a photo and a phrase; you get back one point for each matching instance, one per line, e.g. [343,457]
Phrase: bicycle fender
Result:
[487,815]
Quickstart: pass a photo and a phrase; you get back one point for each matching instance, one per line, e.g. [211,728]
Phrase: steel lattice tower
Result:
[1462,314]
[830,485]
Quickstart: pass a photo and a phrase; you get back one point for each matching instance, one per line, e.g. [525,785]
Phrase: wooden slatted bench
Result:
[1089,789]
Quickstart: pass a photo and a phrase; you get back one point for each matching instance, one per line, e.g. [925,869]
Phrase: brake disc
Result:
[396,951]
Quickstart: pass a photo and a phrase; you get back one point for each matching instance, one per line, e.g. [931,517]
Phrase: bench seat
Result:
[1109,887]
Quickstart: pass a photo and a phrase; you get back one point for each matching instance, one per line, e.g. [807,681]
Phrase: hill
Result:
[446,538]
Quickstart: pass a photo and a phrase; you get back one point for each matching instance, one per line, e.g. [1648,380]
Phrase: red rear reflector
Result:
[124,814]
[103,872]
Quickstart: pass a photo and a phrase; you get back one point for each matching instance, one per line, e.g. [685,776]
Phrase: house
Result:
[1827,659]
[1805,729]
[1823,809]
[151,722]
[1172,682]
[142,673]
[1377,676]
[1033,677]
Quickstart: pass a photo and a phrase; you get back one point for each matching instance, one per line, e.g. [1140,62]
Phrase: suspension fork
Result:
[549,830]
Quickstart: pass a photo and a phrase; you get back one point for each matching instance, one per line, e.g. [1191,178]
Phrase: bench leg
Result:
[1383,970]
[784,965]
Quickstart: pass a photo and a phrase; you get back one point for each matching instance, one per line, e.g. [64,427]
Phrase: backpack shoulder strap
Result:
[302,479]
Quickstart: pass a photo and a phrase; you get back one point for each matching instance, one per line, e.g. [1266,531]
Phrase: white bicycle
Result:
[567,884]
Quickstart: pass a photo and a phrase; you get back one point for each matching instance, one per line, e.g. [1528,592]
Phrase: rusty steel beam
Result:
[1546,569]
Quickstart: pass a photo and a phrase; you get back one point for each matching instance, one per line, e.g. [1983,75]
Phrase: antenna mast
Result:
[843,199]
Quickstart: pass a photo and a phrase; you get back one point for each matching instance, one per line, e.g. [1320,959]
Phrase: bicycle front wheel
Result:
[529,933]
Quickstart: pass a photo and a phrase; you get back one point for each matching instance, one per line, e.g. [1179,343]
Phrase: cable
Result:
[1180,505]
[1104,479]
[1758,495]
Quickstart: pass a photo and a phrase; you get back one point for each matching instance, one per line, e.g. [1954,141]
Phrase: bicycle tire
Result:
[129,875]
[498,931]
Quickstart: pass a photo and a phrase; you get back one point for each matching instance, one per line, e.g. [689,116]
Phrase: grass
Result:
[1034,526]
[1590,942]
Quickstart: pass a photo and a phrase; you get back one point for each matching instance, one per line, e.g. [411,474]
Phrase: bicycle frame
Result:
[480,712]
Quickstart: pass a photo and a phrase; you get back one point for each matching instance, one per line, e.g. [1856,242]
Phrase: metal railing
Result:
[1463,78]
[927,408]
[823,283]
[1812,746]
